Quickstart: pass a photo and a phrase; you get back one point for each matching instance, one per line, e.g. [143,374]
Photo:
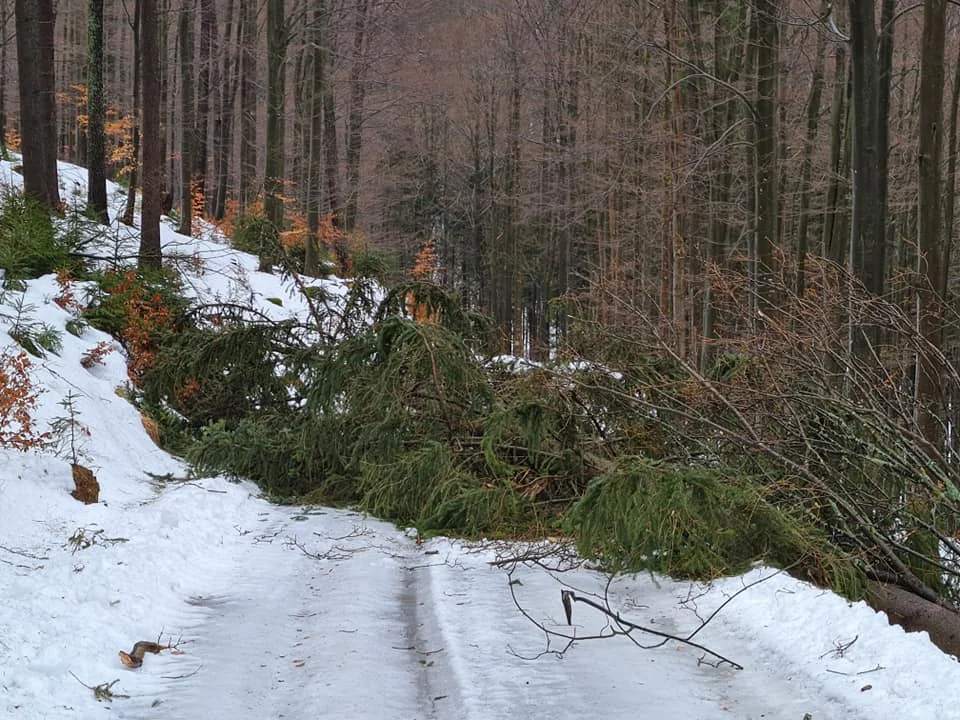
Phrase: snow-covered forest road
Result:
[328,614]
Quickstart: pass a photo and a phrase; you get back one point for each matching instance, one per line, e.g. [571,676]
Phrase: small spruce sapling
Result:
[37,338]
[68,432]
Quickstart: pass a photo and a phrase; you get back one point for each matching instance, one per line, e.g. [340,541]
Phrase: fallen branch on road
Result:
[568,597]
[618,625]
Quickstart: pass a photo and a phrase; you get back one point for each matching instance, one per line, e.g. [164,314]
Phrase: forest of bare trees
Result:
[550,150]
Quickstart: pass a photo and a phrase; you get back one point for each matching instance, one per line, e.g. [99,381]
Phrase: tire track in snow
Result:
[280,634]
[438,684]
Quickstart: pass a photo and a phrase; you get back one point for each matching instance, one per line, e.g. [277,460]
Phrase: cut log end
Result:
[915,614]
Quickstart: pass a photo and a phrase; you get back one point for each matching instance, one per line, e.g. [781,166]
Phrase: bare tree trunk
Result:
[331,167]
[669,230]
[767,181]
[5,15]
[930,272]
[809,143]
[510,274]
[885,72]
[298,138]
[276,94]
[224,120]
[834,247]
[150,256]
[331,153]
[128,211]
[167,96]
[355,116]
[38,123]
[208,41]
[248,103]
[950,190]
[866,247]
[728,64]
[315,149]
[187,120]
[96,116]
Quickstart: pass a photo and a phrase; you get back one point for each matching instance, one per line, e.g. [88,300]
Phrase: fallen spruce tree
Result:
[789,445]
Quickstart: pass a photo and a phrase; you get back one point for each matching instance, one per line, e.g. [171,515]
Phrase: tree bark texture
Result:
[768,205]
[38,119]
[273,182]
[248,103]
[188,130]
[150,254]
[355,117]
[133,178]
[96,116]
[916,614]
[930,240]
[866,237]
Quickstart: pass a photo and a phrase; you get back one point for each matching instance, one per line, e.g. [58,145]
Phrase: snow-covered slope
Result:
[301,613]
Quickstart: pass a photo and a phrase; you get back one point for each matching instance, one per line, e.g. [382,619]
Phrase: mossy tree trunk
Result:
[150,256]
[187,119]
[96,116]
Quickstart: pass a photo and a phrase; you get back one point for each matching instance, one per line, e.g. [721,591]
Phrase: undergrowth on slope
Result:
[254,233]
[29,246]
[143,310]
[18,398]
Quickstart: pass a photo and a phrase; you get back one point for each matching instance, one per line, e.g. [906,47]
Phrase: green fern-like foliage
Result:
[381,265]
[38,339]
[443,307]
[536,429]
[399,376]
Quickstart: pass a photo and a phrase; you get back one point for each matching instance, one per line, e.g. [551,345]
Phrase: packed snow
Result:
[281,612]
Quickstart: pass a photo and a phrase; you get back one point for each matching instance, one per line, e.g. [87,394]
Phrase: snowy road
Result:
[371,625]
[325,613]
